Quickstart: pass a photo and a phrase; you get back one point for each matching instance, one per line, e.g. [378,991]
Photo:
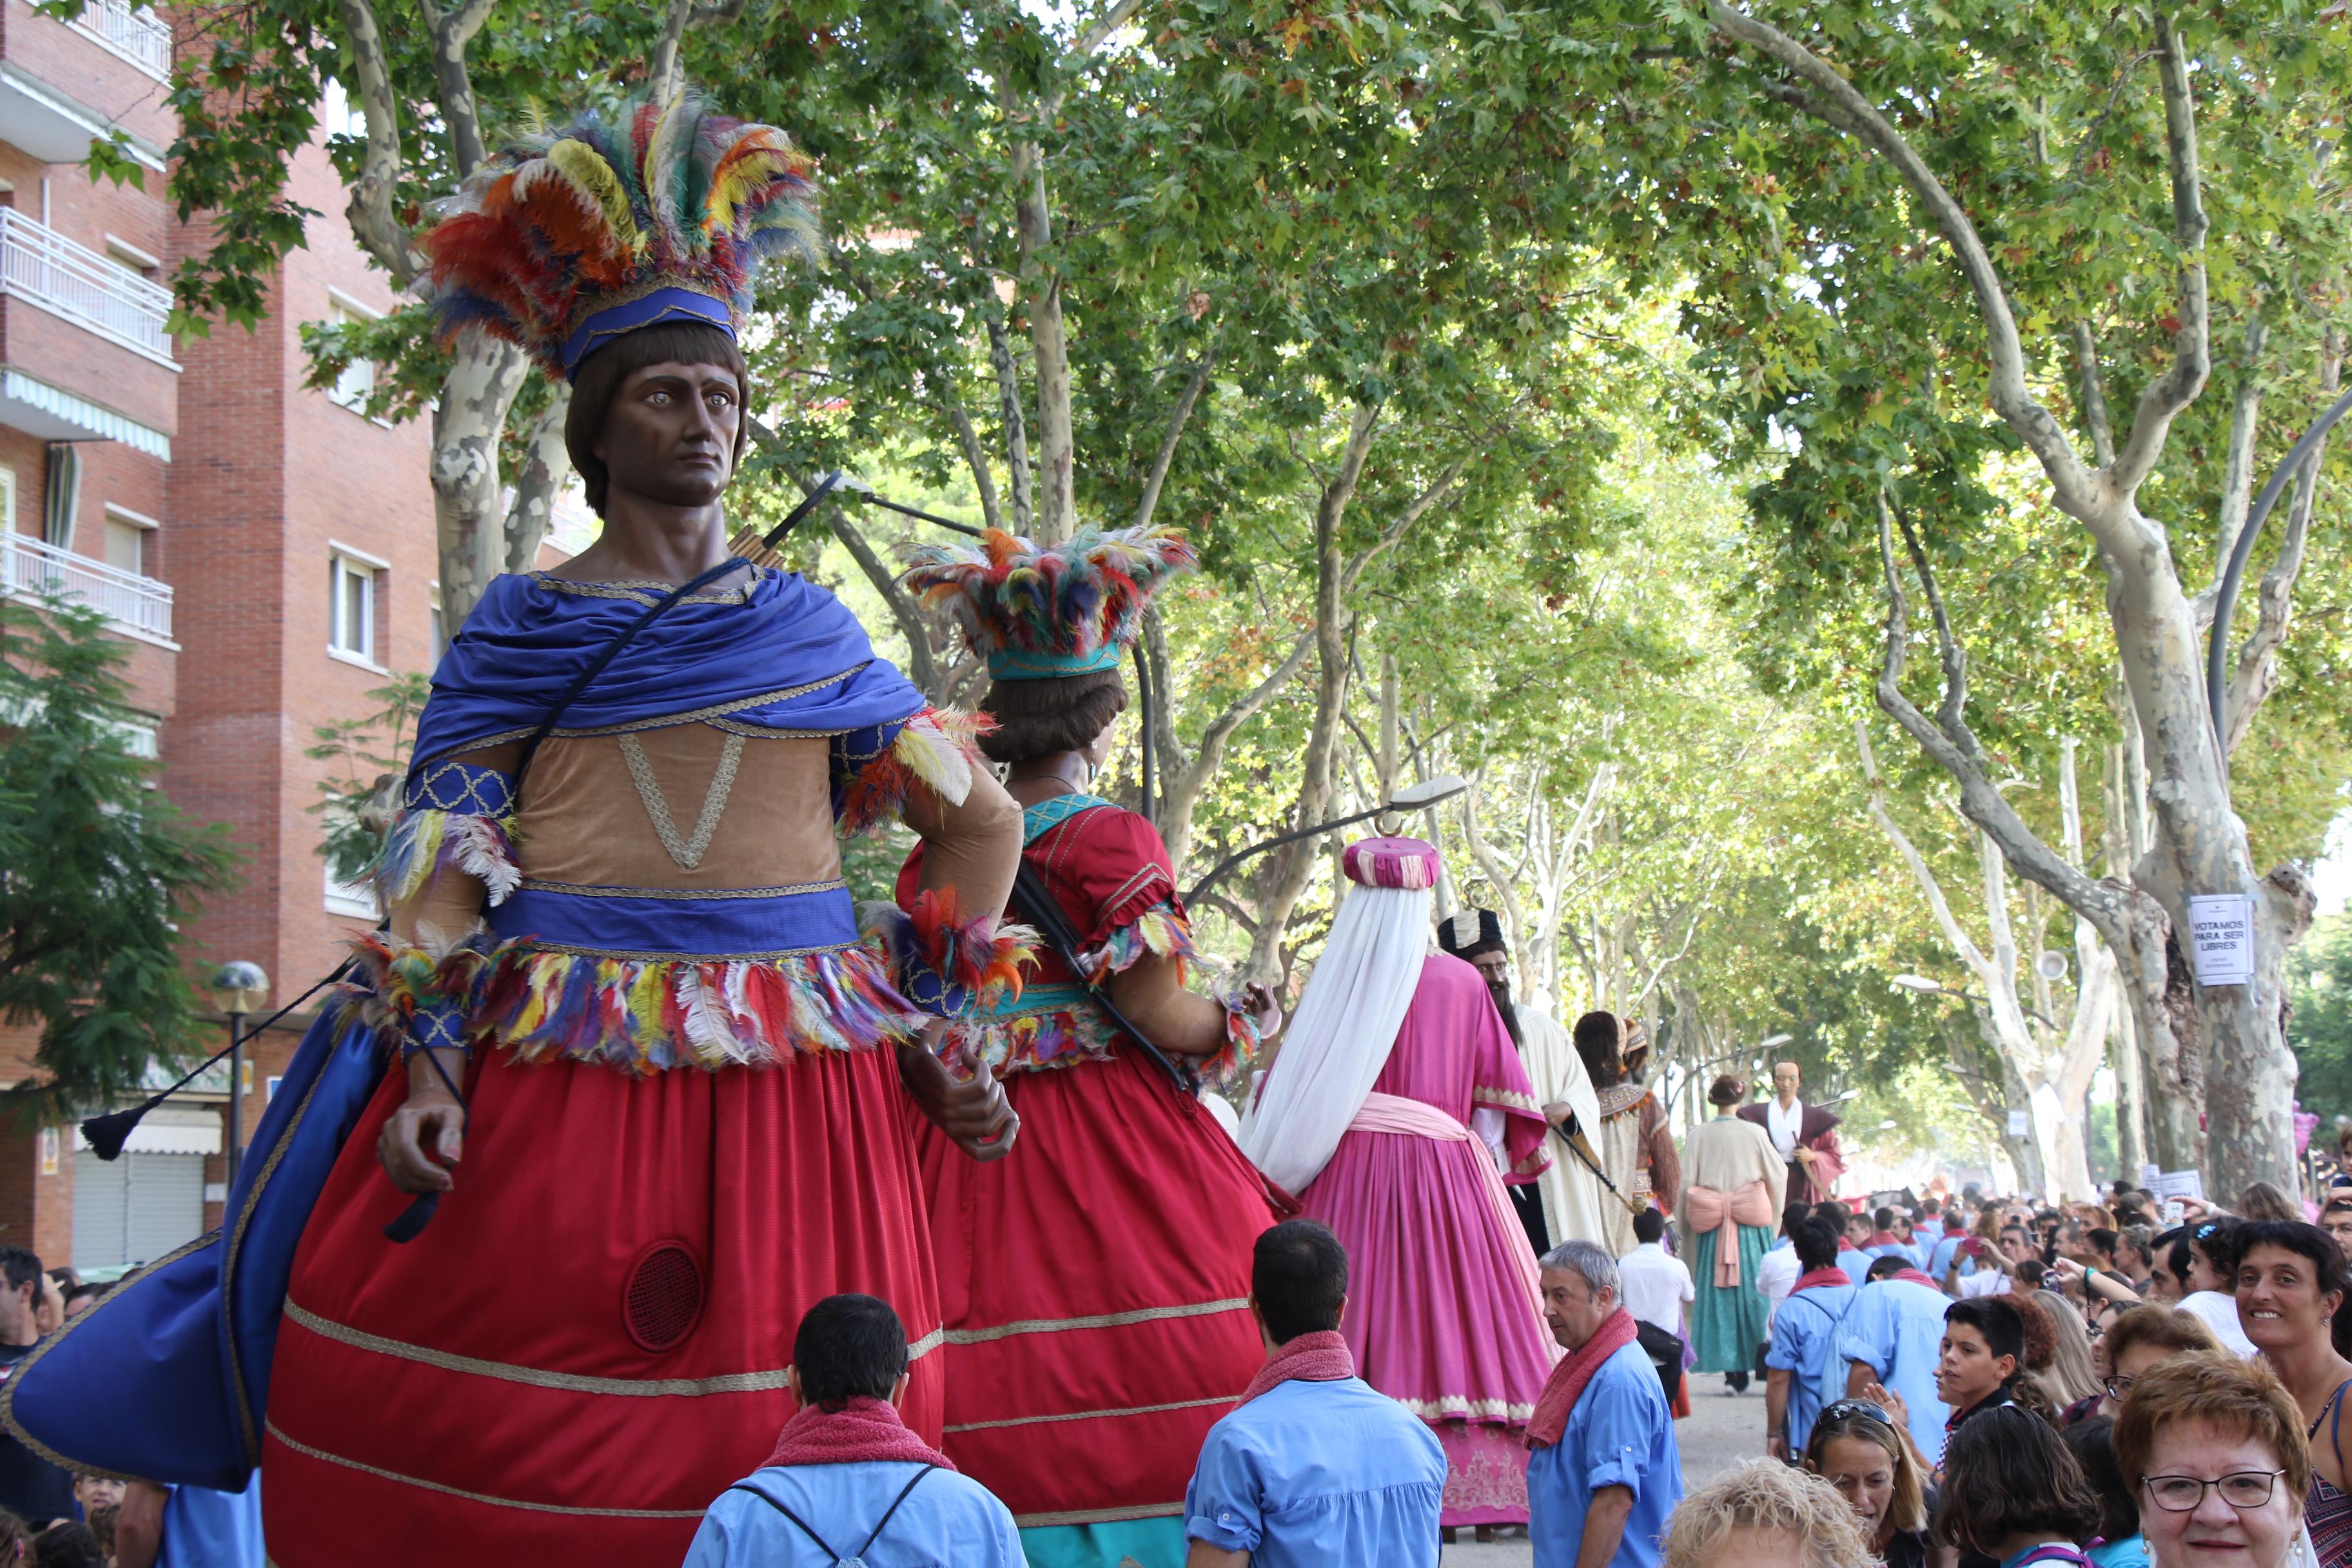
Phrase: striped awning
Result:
[56,415]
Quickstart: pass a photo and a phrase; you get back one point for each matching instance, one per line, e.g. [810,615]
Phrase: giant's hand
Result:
[972,1111]
[1267,1008]
[422,1139]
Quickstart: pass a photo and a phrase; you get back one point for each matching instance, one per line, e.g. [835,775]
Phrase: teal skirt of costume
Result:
[1727,1321]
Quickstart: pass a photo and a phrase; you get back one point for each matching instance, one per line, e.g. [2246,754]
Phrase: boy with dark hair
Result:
[848,1482]
[1983,1350]
[1313,1467]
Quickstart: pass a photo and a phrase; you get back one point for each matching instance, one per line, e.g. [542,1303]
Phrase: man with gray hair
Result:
[1605,1472]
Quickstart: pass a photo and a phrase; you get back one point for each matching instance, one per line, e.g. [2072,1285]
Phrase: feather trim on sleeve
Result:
[944,964]
[937,748]
[1158,932]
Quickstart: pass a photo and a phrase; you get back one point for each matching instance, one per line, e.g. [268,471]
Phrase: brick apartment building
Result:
[265,552]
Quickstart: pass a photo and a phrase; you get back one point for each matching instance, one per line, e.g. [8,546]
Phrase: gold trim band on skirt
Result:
[565,1381]
[1090,1414]
[323,1456]
[1099,1320]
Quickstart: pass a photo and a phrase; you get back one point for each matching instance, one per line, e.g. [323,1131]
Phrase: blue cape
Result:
[788,658]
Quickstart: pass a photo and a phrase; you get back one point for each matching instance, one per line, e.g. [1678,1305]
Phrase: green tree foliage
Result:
[2320,1025]
[97,868]
[368,757]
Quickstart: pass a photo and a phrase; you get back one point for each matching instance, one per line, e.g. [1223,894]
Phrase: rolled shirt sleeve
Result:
[1618,1438]
[1225,1503]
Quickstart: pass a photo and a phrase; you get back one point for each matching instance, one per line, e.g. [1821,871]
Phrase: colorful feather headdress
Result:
[1039,614]
[649,212]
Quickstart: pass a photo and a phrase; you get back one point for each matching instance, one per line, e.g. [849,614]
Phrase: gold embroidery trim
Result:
[1098,1414]
[690,716]
[649,956]
[1508,1098]
[1099,1320]
[564,1382]
[591,890]
[1098,1515]
[646,591]
[1454,1404]
[687,852]
[320,1454]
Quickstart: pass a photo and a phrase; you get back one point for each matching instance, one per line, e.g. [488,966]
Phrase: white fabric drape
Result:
[1342,1034]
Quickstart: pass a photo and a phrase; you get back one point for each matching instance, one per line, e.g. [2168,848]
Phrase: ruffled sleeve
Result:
[875,769]
[453,817]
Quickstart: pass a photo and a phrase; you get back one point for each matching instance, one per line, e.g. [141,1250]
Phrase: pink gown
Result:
[1439,1312]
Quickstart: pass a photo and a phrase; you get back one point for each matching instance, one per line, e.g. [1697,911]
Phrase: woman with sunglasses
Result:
[1860,1449]
[2213,1447]
[2291,1294]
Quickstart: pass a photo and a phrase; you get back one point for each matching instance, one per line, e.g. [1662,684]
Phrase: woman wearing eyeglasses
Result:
[2214,1447]
[1858,1447]
[2291,1294]
[2143,1338]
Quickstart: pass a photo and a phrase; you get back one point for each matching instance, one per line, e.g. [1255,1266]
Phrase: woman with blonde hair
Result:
[1859,1449]
[2214,1447]
[2071,1378]
[1762,1514]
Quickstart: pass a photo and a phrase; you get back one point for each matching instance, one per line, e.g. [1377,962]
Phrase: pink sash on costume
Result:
[1418,1119]
[1751,1203]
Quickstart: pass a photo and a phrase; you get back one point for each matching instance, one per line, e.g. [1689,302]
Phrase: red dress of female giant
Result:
[1095,1283]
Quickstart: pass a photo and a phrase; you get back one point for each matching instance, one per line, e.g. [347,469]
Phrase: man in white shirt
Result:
[1777,1275]
[1656,1288]
[1992,1277]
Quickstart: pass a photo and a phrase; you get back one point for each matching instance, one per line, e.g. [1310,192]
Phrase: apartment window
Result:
[130,542]
[131,259]
[440,626]
[357,899]
[8,500]
[357,383]
[354,582]
[340,114]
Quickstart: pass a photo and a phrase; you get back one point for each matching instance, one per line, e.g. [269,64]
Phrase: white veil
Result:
[1342,1034]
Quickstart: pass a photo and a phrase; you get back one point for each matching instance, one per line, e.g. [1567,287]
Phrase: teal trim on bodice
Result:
[1042,818]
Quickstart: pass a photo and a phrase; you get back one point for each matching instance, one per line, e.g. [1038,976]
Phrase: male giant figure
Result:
[1805,1136]
[1566,1202]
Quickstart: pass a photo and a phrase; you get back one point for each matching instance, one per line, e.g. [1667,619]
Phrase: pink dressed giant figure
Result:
[1397,1110]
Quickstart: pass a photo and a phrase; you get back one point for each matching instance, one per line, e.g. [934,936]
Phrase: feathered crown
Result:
[655,212]
[1039,614]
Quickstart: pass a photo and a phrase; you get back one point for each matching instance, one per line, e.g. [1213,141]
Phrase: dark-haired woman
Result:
[1097,1280]
[2292,1289]
[2120,1544]
[2013,1493]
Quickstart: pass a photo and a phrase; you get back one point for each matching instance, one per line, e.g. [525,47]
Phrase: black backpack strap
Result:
[876,1533]
[1038,906]
[822,1545]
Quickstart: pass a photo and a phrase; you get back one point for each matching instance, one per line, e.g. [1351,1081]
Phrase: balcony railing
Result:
[140,605]
[134,32]
[40,265]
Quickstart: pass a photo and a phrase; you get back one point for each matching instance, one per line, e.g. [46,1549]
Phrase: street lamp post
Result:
[240,987]
[1413,797]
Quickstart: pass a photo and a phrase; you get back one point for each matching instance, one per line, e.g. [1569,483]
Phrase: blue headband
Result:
[1020,663]
[645,311]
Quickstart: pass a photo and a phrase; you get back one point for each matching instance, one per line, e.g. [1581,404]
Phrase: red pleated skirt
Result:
[588,1343]
[1095,1284]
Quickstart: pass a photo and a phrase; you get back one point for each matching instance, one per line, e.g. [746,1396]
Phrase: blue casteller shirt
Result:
[1897,1330]
[205,1528]
[1941,1262]
[1855,1264]
[1316,1473]
[1805,1345]
[947,1521]
[1621,1434]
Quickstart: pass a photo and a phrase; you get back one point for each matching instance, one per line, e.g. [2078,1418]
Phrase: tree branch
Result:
[370,210]
[2076,489]
[2169,394]
[2257,672]
[2095,395]
[974,458]
[1016,433]
[1098,32]
[1396,530]
[1176,422]
[452,29]
[922,668]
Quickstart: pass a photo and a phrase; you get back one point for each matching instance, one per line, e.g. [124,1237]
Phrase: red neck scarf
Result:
[1882,1239]
[1916,1278]
[1320,1357]
[866,1431]
[1821,1278]
[1569,1377]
